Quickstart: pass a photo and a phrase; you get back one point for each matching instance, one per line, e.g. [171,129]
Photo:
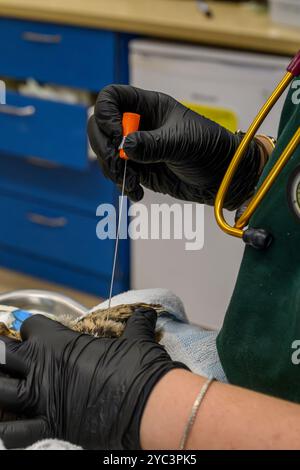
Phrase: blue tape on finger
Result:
[20,316]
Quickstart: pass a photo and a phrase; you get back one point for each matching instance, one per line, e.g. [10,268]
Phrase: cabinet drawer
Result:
[59,186]
[77,57]
[59,236]
[31,127]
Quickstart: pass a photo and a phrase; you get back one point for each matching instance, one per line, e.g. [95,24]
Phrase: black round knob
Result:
[258,238]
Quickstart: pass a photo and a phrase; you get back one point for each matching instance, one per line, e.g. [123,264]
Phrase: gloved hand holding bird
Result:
[101,323]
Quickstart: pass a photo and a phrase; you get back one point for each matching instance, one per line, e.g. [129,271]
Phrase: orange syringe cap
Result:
[130,124]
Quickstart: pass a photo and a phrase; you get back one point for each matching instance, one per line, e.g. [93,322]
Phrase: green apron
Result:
[257,341]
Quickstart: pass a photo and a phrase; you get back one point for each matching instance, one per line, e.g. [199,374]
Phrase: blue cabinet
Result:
[64,55]
[49,130]
[53,233]
[58,185]
[49,189]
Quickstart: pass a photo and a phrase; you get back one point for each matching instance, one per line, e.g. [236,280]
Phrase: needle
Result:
[118,236]
[130,122]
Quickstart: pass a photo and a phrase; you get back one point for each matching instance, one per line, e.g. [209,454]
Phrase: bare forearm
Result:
[229,417]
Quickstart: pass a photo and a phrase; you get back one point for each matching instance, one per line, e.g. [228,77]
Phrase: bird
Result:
[100,323]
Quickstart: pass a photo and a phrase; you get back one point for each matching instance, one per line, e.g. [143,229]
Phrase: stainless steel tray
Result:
[44,302]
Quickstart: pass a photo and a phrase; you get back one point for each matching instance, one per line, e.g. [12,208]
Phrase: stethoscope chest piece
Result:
[293,192]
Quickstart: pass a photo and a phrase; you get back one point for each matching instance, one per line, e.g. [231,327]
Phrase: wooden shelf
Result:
[237,26]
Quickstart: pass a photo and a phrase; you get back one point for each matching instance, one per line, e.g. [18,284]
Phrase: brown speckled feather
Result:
[102,323]
[4,331]
[110,323]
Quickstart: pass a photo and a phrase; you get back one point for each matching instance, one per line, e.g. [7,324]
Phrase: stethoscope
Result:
[257,237]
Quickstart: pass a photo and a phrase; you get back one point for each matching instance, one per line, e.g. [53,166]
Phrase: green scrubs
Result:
[258,342]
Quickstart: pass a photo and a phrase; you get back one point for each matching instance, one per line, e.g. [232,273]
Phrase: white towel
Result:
[164,297]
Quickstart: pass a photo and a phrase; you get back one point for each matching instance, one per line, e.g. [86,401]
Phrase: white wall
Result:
[237,81]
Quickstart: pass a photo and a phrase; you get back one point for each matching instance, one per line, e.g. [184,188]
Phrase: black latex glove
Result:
[85,390]
[176,152]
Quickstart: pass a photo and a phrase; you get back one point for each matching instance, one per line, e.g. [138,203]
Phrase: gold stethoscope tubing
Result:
[237,229]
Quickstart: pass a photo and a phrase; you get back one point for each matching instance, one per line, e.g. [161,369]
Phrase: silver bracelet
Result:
[194,412]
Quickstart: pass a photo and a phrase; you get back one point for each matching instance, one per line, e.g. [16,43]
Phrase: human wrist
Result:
[249,169]
[168,409]
[266,146]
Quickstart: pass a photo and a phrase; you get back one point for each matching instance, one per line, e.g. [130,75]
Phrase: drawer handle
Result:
[39,162]
[52,222]
[23,111]
[30,36]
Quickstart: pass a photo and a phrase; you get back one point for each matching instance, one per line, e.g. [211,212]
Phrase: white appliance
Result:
[286,12]
[239,82]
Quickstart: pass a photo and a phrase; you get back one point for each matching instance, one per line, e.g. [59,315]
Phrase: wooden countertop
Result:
[238,26]
[12,280]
